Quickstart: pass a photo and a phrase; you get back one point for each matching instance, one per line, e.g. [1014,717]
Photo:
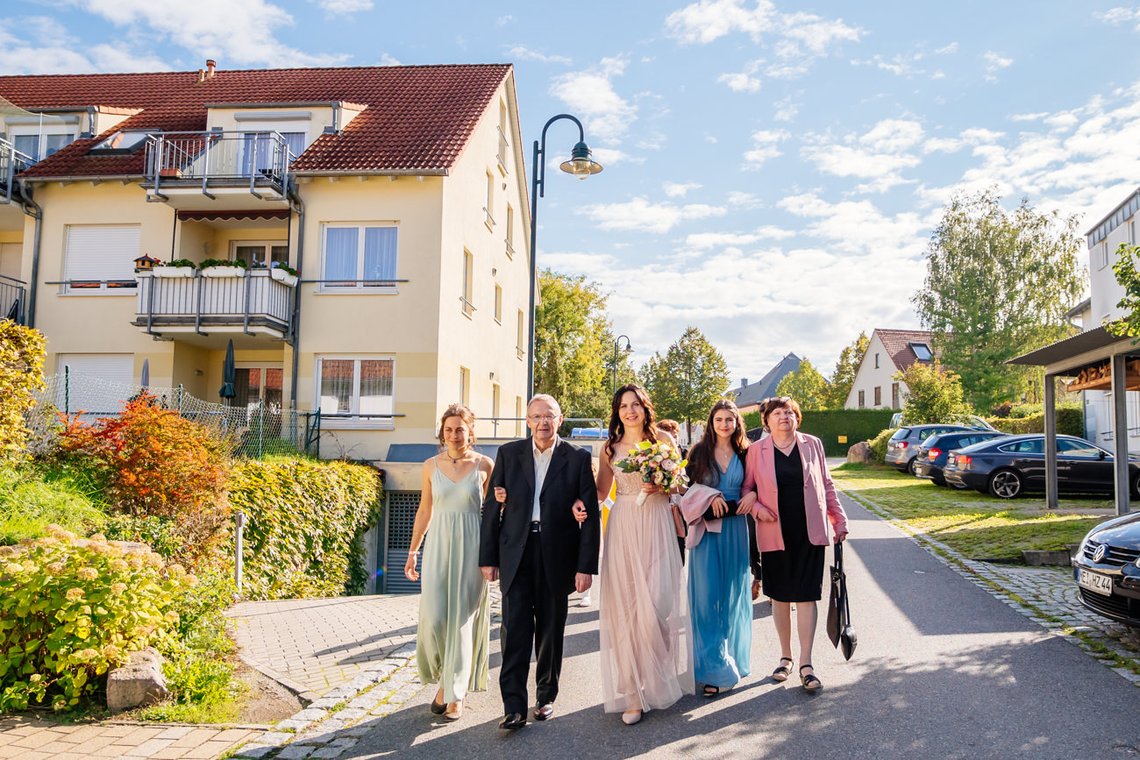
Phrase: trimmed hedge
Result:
[856,424]
[304,522]
[1070,421]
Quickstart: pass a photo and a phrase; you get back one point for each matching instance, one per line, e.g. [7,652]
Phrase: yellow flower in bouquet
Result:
[658,463]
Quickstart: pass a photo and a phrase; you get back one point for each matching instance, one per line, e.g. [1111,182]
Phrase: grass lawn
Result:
[977,525]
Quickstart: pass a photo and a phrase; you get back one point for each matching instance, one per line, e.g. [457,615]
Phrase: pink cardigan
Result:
[824,512]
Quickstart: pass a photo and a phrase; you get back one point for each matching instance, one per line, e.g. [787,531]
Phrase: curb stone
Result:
[1080,627]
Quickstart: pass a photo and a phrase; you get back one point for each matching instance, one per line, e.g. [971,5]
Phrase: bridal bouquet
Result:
[658,463]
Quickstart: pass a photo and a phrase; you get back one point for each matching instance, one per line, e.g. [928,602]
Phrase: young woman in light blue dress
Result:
[720,599]
[453,637]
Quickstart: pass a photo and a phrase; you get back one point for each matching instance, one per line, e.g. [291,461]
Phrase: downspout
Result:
[295,322]
[36,213]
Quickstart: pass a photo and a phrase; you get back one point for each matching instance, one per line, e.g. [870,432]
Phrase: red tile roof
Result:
[417,118]
[897,343]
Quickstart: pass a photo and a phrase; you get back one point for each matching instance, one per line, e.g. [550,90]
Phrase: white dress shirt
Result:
[541,466]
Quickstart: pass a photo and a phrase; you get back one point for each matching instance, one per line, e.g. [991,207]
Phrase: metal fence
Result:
[252,429]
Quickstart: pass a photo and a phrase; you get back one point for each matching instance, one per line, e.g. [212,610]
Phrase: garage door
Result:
[95,384]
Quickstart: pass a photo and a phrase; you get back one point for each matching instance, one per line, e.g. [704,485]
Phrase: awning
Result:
[1079,345]
[215,216]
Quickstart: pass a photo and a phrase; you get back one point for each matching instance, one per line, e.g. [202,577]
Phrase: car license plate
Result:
[1101,584]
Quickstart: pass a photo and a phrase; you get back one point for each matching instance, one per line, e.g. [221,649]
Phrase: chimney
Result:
[210,64]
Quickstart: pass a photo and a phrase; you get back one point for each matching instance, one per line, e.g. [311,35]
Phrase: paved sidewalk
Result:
[29,739]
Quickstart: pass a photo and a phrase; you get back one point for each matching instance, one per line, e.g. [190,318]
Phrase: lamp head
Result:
[581,163]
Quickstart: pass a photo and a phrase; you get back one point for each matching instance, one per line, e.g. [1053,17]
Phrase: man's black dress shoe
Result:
[544,711]
[512,721]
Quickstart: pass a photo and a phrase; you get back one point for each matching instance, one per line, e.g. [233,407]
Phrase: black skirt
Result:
[796,573]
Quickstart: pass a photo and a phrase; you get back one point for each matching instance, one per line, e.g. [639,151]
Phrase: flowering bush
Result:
[71,609]
[659,463]
[21,372]
[155,463]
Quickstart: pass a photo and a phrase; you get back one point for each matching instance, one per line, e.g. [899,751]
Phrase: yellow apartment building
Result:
[381,214]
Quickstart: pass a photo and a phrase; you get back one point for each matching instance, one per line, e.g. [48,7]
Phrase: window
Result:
[510,232]
[498,303]
[862,399]
[922,351]
[878,395]
[501,156]
[40,146]
[259,150]
[1132,233]
[255,385]
[495,391]
[101,259]
[518,416]
[465,385]
[876,360]
[468,283]
[489,209]
[258,254]
[1078,449]
[894,395]
[1103,255]
[358,390]
[1029,446]
[121,142]
[359,257]
[97,384]
[520,338]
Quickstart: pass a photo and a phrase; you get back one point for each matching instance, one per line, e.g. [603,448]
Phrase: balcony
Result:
[13,299]
[251,307]
[217,170]
[12,162]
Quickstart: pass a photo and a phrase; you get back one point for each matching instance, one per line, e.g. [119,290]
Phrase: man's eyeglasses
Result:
[541,417]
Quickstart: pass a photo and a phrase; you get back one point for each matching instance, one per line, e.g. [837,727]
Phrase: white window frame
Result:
[47,130]
[358,288]
[267,245]
[509,240]
[346,423]
[102,290]
[465,385]
[498,303]
[467,297]
[489,209]
[1103,255]
[504,144]
[520,336]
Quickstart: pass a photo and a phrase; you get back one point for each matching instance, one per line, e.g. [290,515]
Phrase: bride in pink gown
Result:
[646,641]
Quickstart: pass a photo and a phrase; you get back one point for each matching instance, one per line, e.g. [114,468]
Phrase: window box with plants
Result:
[283,273]
[223,268]
[175,268]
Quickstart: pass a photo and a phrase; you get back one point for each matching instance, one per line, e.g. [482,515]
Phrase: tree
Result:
[1128,275]
[998,284]
[806,386]
[839,386]
[688,379]
[574,347]
[935,394]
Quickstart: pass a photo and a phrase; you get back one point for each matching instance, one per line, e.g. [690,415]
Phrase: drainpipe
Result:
[34,210]
[295,322]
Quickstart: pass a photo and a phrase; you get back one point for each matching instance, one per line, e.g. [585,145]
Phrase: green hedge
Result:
[1070,421]
[854,424]
[304,522]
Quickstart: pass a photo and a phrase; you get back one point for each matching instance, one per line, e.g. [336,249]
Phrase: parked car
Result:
[902,448]
[968,420]
[1107,569]
[932,453]
[1010,466]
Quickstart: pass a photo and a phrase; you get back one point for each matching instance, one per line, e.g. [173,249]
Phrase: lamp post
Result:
[581,165]
[628,347]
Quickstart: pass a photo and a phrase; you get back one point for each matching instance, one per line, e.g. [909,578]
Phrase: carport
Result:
[1099,361]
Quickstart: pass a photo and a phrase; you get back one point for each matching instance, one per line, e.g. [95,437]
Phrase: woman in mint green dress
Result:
[453,637]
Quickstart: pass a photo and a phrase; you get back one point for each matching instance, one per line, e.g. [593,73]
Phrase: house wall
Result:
[1106,291]
[869,376]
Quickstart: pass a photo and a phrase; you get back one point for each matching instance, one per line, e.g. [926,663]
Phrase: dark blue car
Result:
[932,454]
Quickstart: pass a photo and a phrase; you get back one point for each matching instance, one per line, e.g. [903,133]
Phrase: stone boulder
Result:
[860,452]
[139,682]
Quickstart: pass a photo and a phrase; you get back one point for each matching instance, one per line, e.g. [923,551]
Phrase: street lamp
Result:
[628,347]
[581,165]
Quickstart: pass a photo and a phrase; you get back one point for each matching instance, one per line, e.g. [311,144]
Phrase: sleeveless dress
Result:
[646,642]
[720,594]
[796,573]
[453,638]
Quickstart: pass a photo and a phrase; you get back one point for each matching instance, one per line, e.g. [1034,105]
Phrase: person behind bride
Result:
[453,637]
[646,643]
[719,593]
[790,493]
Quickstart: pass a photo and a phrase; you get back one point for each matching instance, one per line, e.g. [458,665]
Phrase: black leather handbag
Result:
[839,628]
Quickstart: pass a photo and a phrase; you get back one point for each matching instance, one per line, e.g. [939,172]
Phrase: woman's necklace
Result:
[786,448]
[455,460]
[724,458]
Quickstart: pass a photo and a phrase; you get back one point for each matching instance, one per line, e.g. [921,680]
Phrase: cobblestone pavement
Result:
[29,739]
[315,645]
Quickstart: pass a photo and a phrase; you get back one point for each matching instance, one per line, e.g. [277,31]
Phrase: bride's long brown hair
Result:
[617,428]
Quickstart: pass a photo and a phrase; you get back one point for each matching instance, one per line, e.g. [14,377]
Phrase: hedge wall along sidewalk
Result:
[856,424]
[304,520]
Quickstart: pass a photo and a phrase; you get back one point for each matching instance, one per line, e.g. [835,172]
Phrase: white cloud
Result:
[947,49]
[389,60]
[706,240]
[526,54]
[708,20]
[995,62]
[344,7]
[740,82]
[892,135]
[680,189]
[244,36]
[591,93]
[1118,16]
[743,200]
[765,146]
[640,215]
[504,20]
[818,34]
[786,110]
[46,47]
[968,138]
[878,155]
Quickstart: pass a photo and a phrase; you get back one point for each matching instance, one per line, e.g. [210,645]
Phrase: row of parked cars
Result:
[1106,566]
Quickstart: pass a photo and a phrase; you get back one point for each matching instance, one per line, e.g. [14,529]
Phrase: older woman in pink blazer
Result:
[797,511]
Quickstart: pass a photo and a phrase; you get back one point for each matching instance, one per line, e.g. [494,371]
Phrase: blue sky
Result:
[773,169]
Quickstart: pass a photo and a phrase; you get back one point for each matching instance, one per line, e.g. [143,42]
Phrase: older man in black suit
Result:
[537,550]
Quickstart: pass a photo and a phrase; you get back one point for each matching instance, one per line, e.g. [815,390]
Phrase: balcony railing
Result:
[254,301]
[12,299]
[12,162]
[218,159]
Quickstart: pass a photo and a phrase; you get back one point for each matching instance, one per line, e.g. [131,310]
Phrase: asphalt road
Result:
[942,670]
